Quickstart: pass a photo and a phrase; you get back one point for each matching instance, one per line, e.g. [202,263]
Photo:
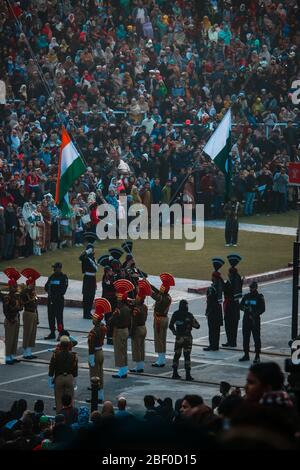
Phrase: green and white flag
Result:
[218,148]
[70,167]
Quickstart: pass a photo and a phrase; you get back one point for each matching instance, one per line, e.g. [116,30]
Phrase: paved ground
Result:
[29,380]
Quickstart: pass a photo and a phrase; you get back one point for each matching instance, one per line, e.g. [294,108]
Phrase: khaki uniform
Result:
[121,322]
[95,343]
[11,308]
[30,318]
[161,321]
[64,368]
[139,332]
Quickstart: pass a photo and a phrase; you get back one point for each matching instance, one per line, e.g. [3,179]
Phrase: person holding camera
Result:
[253,305]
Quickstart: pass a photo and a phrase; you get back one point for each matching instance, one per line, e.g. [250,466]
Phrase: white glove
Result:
[50,382]
[75,383]
[89,251]
[92,360]
[103,322]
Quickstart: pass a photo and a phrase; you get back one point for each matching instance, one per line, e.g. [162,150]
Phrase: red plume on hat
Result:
[144,288]
[167,281]
[13,275]
[31,275]
[102,306]
[123,286]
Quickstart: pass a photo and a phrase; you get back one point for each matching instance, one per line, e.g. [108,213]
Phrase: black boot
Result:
[188,376]
[175,373]
[256,359]
[245,358]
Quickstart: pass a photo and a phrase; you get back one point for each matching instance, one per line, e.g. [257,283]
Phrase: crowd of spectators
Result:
[140,85]
[264,415]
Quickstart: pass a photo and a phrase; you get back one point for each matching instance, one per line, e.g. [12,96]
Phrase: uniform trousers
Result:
[64,384]
[97,370]
[55,312]
[231,320]
[30,320]
[231,231]
[11,336]
[251,324]
[160,327]
[88,292]
[184,343]
[120,337]
[214,328]
[138,343]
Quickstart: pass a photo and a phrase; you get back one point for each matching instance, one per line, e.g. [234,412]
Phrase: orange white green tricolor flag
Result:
[70,167]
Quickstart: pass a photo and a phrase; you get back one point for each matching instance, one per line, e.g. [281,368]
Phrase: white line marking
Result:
[23,378]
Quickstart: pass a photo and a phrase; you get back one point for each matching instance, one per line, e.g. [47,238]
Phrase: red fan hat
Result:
[167,282]
[102,306]
[13,275]
[144,289]
[123,286]
[31,275]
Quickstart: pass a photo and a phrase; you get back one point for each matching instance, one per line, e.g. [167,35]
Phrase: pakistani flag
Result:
[218,149]
[70,167]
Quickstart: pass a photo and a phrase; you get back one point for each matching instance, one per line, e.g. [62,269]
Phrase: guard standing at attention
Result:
[89,269]
[56,287]
[181,325]
[12,305]
[109,293]
[214,306]
[232,211]
[30,315]
[233,292]
[138,325]
[121,323]
[253,306]
[95,343]
[161,309]
[63,370]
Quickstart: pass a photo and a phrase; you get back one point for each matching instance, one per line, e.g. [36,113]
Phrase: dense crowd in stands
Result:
[140,85]
[264,415]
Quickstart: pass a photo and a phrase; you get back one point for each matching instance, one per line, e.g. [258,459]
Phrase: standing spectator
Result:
[280,188]
[11,223]
[250,187]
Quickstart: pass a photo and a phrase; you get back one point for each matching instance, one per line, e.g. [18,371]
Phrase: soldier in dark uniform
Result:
[253,306]
[181,325]
[30,315]
[161,309]
[95,343]
[56,287]
[109,293]
[12,305]
[232,211]
[138,325]
[121,323]
[89,269]
[214,306]
[63,370]
[233,292]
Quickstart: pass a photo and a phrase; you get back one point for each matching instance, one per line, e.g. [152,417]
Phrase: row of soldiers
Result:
[253,305]
[127,320]
[20,299]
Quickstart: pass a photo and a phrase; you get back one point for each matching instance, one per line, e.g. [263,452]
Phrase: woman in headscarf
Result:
[135,112]
[28,215]
[39,242]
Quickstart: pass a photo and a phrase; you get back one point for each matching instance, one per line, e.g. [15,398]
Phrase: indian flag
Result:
[218,148]
[70,167]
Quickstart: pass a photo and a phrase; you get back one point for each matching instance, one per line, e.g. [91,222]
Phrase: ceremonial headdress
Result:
[123,286]
[102,306]
[234,259]
[144,289]
[90,237]
[116,253]
[217,263]
[167,282]
[13,276]
[103,260]
[31,275]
